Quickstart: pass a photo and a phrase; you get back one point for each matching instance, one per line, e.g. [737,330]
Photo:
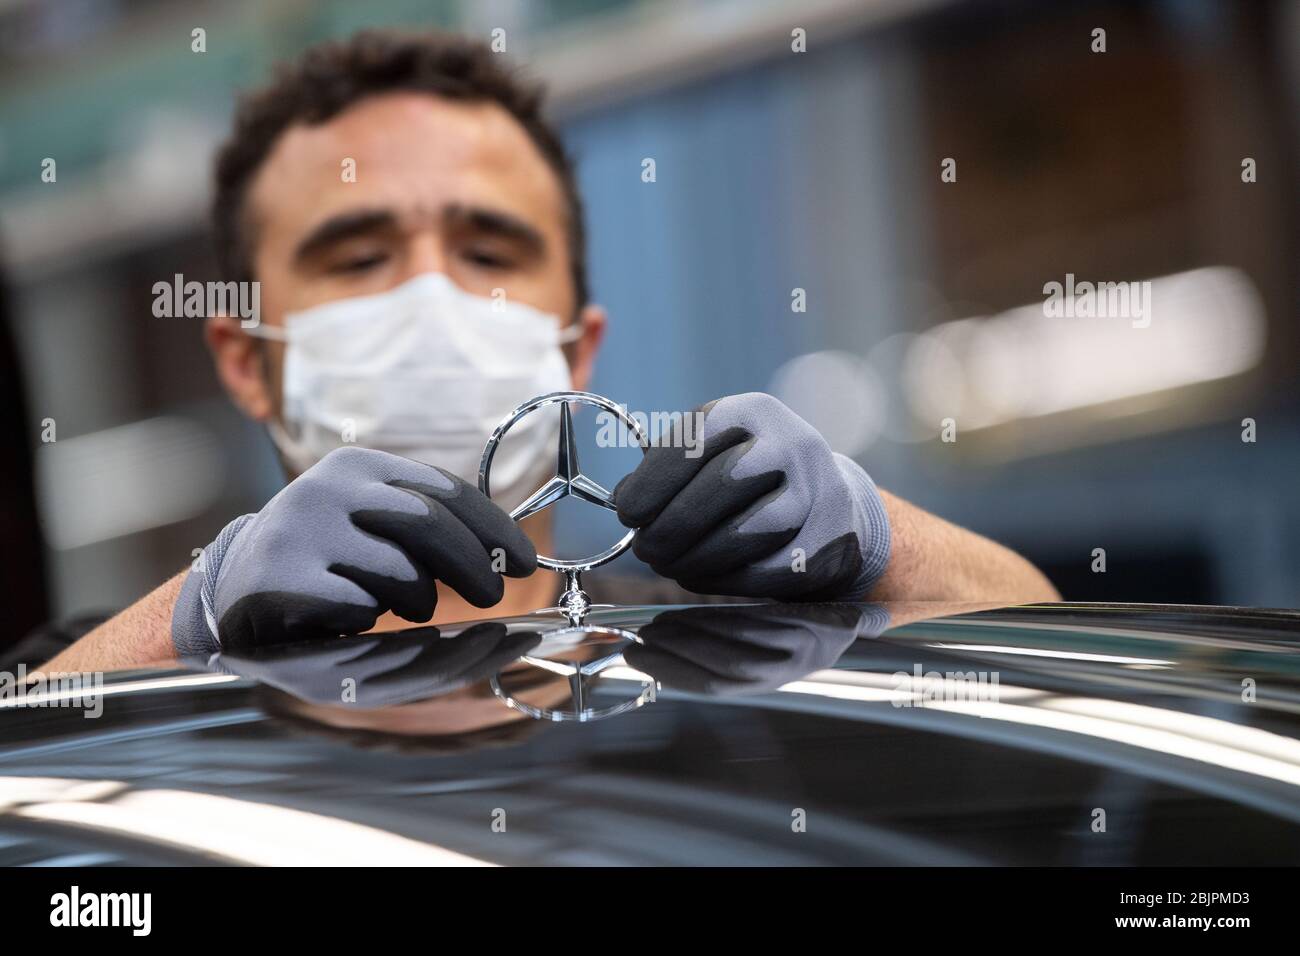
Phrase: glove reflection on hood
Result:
[744,649]
[380,670]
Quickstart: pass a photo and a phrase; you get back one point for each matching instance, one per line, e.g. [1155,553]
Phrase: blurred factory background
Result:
[775,171]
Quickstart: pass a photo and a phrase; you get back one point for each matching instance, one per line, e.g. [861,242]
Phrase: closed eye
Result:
[359,263]
[488,260]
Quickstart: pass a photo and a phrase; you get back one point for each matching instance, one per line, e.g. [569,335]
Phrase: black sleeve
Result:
[49,639]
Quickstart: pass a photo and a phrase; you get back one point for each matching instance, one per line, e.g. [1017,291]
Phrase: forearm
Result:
[139,636]
[934,560]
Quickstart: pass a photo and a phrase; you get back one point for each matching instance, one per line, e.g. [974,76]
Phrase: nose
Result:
[425,253]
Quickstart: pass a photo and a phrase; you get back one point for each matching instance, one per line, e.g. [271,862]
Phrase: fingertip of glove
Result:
[489,594]
[523,565]
[626,502]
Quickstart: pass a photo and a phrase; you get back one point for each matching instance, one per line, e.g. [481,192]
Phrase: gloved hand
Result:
[360,533]
[387,669]
[737,649]
[763,509]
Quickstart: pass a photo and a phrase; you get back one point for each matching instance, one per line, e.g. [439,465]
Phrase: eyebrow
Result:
[369,221]
[344,226]
[496,223]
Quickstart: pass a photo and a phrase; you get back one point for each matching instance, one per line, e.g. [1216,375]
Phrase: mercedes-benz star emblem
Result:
[568,480]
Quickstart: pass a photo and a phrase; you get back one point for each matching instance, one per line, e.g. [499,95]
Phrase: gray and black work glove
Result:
[360,533]
[732,649]
[755,504]
[381,670]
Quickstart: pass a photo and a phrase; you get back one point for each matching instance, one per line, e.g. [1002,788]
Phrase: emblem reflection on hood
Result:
[589,658]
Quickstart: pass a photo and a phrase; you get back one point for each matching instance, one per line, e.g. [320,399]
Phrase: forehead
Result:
[413,153]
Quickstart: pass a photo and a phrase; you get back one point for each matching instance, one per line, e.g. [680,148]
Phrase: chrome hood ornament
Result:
[568,480]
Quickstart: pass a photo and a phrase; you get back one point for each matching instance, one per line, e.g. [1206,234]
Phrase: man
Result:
[418,237]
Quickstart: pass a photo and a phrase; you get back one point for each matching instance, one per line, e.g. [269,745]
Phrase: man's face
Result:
[398,185]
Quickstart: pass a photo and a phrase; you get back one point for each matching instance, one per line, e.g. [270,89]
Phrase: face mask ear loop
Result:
[571,332]
[269,333]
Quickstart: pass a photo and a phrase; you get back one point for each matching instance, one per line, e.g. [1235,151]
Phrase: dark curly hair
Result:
[329,77]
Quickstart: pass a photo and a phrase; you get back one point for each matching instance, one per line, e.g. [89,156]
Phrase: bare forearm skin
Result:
[934,560]
[139,636]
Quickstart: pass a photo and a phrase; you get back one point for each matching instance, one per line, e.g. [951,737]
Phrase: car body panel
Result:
[772,734]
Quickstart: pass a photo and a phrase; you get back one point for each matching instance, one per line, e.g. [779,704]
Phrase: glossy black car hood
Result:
[1057,734]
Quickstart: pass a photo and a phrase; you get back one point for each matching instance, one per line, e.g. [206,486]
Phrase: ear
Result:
[241,362]
[582,353]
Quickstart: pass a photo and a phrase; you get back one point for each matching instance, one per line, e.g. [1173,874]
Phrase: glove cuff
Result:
[875,620]
[194,620]
[873,530]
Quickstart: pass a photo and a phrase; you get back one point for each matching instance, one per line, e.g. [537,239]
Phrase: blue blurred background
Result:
[775,171]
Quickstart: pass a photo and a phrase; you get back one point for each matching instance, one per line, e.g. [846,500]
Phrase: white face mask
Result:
[425,371]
